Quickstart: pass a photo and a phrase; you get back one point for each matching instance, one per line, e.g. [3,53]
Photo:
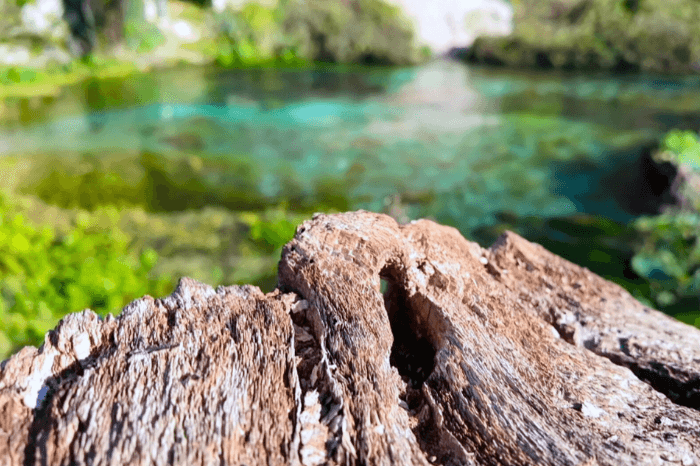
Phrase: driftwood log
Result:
[383,344]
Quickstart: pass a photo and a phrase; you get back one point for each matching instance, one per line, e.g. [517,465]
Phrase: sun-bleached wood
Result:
[383,344]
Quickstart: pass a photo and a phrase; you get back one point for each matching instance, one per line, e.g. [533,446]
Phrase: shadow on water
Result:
[627,184]
[608,197]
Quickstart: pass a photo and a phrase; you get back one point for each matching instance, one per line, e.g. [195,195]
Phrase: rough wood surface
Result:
[383,344]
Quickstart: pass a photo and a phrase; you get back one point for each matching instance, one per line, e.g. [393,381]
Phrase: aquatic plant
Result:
[152,180]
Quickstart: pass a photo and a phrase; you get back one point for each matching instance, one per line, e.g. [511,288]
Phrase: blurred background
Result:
[145,140]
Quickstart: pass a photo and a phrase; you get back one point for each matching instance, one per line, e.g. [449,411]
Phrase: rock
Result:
[446,25]
[653,35]
[383,344]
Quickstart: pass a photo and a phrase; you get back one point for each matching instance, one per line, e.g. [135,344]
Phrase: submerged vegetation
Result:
[103,247]
[97,232]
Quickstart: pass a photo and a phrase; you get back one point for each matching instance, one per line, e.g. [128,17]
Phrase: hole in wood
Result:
[412,353]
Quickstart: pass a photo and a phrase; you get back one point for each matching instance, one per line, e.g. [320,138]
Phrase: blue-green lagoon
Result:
[563,159]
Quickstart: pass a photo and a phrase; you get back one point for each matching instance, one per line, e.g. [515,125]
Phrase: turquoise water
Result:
[466,146]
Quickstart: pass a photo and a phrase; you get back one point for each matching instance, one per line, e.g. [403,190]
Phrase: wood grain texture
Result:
[383,344]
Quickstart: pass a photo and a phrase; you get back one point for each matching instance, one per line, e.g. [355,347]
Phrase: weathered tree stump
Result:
[383,344]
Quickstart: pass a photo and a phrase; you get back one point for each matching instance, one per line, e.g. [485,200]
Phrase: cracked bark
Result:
[383,344]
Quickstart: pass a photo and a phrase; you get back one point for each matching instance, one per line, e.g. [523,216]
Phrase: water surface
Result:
[471,147]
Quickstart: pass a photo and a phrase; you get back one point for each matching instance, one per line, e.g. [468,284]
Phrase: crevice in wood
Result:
[321,421]
[306,349]
[35,450]
[680,389]
[683,393]
[412,353]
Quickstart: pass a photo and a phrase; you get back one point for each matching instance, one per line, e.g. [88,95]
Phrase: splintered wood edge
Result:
[383,344]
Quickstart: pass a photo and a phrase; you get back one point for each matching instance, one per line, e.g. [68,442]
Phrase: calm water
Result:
[466,146]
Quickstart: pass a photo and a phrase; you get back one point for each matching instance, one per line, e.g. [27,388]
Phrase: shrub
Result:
[143,36]
[669,257]
[295,31]
[45,274]
[682,149]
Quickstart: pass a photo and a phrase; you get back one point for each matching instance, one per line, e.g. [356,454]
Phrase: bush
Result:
[295,31]
[669,257]
[682,149]
[14,75]
[253,36]
[355,31]
[270,230]
[45,274]
[143,36]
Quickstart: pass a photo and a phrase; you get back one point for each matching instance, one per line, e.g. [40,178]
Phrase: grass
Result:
[28,82]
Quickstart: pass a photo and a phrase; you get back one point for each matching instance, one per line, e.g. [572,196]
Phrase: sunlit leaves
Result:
[45,274]
[669,257]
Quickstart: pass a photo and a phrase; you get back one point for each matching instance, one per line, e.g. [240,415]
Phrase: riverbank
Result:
[622,36]
[278,34]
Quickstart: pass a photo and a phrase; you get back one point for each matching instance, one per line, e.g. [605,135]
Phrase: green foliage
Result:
[295,32]
[682,148]
[251,36]
[271,230]
[621,35]
[354,31]
[14,75]
[45,274]
[670,254]
[22,81]
[143,36]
